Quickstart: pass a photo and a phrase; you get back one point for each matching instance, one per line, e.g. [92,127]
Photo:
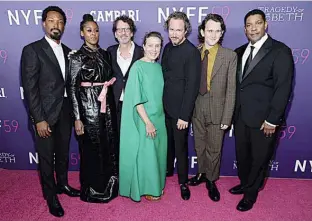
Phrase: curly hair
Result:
[215,18]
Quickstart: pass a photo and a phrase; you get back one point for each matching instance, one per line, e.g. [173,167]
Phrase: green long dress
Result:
[142,162]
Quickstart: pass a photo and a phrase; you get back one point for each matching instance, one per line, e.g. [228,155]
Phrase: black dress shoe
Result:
[244,205]
[198,179]
[185,192]
[69,191]
[239,189]
[213,191]
[55,207]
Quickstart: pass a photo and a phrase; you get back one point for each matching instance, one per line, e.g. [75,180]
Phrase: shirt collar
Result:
[259,43]
[131,49]
[52,43]
[212,51]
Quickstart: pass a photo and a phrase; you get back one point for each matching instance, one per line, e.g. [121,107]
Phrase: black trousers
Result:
[177,146]
[56,146]
[253,153]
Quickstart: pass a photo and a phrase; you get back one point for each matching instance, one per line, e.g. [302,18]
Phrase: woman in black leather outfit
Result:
[95,116]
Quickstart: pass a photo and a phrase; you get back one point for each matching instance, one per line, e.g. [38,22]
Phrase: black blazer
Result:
[43,81]
[264,91]
[121,80]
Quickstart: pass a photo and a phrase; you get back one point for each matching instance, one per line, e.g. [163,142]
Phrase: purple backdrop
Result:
[289,22]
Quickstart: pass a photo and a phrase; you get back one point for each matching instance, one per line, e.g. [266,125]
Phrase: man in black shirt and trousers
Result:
[181,64]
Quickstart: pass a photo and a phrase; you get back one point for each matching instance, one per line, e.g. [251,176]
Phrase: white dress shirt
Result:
[257,46]
[58,51]
[124,64]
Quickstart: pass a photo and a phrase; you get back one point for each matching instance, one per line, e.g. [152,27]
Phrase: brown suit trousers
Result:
[208,139]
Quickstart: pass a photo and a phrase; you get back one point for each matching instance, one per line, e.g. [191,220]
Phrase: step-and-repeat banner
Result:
[289,22]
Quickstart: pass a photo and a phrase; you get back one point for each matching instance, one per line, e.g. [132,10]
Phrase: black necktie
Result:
[203,80]
[249,59]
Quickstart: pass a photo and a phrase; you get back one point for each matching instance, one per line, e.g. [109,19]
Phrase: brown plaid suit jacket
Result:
[223,86]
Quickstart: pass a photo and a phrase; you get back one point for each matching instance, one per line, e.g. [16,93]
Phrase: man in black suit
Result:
[181,64]
[44,69]
[264,82]
[123,55]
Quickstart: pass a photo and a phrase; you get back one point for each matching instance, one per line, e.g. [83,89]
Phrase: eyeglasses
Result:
[120,30]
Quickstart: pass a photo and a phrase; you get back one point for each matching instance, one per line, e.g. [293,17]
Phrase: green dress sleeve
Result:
[135,89]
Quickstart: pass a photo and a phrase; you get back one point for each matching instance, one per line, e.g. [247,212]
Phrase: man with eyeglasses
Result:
[214,105]
[181,69]
[123,55]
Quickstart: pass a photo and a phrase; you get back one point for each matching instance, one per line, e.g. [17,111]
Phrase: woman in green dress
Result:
[143,137]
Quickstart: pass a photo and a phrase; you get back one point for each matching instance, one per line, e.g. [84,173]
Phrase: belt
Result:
[102,96]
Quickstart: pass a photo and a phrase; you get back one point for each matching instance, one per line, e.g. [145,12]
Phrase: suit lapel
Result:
[240,54]
[266,47]
[49,51]
[218,62]
[65,51]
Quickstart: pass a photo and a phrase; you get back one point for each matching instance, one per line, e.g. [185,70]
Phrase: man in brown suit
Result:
[215,102]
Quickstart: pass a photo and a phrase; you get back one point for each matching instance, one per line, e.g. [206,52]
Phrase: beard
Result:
[56,34]
[124,39]
[176,41]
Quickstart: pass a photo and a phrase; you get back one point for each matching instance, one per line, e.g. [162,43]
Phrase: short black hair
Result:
[255,12]
[54,9]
